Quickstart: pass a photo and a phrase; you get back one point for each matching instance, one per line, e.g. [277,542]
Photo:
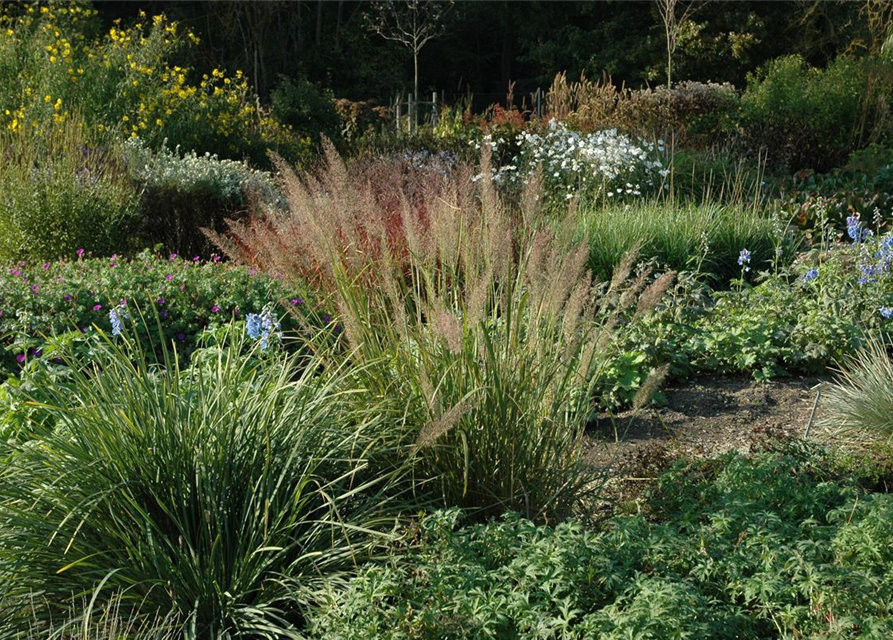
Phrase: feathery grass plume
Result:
[654,293]
[861,398]
[621,274]
[652,385]
[633,291]
[435,429]
[532,201]
[359,212]
[482,306]
[223,493]
[450,330]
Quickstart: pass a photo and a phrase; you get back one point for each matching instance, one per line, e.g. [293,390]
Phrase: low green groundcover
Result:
[779,545]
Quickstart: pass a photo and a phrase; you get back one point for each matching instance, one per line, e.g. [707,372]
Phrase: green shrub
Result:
[778,545]
[862,397]
[864,187]
[225,493]
[62,191]
[306,108]
[183,194]
[40,300]
[799,320]
[682,235]
[813,118]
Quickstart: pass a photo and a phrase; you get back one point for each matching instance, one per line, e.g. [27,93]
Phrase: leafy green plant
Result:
[43,299]
[813,118]
[776,545]
[224,493]
[306,108]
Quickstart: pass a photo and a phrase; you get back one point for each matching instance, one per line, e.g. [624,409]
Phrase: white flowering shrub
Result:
[169,172]
[603,162]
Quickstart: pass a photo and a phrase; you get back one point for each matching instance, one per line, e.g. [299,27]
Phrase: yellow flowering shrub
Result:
[55,61]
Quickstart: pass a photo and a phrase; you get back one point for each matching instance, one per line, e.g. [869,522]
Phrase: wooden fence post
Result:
[434,109]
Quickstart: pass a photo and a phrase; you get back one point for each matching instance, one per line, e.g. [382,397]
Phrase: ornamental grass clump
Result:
[475,323]
[861,399]
[63,189]
[682,236]
[222,494]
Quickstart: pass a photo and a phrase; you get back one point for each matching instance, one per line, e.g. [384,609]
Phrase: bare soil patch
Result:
[704,417]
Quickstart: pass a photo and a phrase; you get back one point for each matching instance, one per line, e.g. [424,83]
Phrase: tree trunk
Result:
[415,82]
[338,22]
[506,57]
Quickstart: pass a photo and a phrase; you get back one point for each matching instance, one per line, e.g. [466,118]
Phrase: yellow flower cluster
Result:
[124,82]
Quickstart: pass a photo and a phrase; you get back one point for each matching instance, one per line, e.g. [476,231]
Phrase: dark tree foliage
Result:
[488,43]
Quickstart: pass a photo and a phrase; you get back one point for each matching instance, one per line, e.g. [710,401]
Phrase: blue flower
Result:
[116,320]
[744,259]
[854,228]
[869,271]
[253,327]
[811,274]
[887,312]
[262,327]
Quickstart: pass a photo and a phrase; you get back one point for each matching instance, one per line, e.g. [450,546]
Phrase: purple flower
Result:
[215,309]
[36,353]
[197,259]
[887,312]
[67,298]
[181,337]
[97,307]
[326,318]
[20,358]
[744,259]
[164,314]
[215,258]
[173,256]
[46,266]
[35,288]
[160,302]
[297,301]
[80,252]
[169,277]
